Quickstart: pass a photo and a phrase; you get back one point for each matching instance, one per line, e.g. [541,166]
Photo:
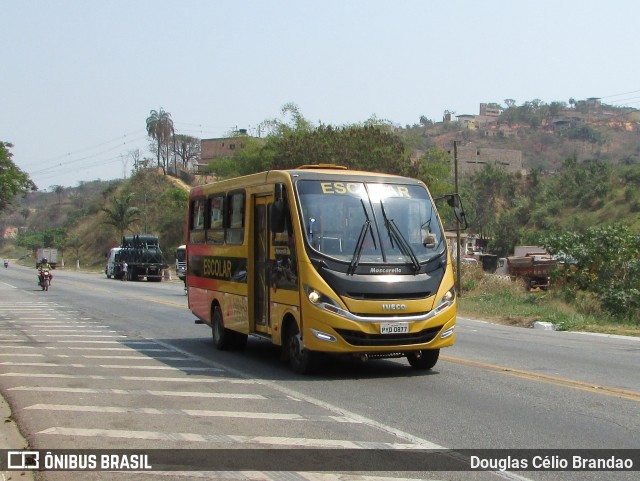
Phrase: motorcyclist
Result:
[44,266]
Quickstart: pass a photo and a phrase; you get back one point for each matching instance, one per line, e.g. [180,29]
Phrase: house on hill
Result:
[472,159]
[220,148]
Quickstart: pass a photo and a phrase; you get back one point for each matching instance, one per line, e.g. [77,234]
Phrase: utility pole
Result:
[458,262]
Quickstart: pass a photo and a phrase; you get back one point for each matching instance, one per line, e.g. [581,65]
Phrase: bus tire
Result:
[222,337]
[301,359]
[424,359]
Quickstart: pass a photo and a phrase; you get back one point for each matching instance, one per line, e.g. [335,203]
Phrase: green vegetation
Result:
[603,263]
[13,182]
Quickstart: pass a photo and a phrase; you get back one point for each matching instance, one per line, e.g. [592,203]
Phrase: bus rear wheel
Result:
[224,338]
[301,359]
[221,335]
[424,359]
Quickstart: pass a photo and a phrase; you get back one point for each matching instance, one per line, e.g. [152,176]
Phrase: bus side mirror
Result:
[455,202]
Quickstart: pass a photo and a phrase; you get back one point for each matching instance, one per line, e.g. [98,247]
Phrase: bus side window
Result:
[196,221]
[235,218]
[215,234]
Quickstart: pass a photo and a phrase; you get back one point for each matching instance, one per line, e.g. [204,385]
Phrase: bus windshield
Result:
[365,222]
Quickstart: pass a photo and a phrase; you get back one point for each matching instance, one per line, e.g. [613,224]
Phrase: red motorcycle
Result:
[45,279]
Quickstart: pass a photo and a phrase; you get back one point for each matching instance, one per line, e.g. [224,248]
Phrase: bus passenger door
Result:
[261,264]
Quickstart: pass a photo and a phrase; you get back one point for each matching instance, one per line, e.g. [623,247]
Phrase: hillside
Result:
[545,136]
[72,219]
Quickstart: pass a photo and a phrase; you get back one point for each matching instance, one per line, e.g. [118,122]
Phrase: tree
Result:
[122,214]
[434,169]
[59,190]
[187,149]
[13,181]
[493,191]
[294,141]
[604,261]
[160,129]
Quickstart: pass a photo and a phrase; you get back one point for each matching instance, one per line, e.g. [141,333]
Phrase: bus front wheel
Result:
[302,360]
[424,359]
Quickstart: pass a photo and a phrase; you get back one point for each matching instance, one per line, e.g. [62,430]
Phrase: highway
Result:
[97,363]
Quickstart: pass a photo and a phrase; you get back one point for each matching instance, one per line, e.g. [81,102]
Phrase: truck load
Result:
[50,254]
[534,268]
[143,256]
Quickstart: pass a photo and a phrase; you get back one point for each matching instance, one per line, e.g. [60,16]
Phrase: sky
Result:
[79,77]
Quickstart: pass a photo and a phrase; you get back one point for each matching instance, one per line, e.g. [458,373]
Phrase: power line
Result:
[124,136]
[88,157]
[618,95]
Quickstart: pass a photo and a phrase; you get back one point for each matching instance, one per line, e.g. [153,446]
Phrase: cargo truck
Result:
[50,253]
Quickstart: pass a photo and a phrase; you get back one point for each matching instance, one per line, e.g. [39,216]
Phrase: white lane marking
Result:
[84,356]
[71,330]
[316,402]
[81,335]
[125,342]
[128,349]
[21,354]
[139,358]
[194,394]
[78,348]
[231,439]
[188,412]
[51,324]
[192,379]
[110,366]
[26,309]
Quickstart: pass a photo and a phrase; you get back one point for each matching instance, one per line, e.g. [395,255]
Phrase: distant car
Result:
[472,261]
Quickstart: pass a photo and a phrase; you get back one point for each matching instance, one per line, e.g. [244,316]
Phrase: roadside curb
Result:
[10,438]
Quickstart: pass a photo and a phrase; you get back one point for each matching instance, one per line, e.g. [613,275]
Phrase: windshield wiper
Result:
[355,260]
[403,245]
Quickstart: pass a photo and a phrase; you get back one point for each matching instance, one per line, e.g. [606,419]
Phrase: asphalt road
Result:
[98,363]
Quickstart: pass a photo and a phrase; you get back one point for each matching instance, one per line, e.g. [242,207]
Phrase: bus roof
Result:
[305,172]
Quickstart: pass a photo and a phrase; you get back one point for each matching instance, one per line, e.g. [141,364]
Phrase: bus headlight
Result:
[323,301]
[314,297]
[446,301]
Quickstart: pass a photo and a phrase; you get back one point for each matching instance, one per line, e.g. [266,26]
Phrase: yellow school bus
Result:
[322,260]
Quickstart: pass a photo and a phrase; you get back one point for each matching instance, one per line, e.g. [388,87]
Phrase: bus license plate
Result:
[394,328]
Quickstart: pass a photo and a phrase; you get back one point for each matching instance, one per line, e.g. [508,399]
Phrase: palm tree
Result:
[160,129]
[122,215]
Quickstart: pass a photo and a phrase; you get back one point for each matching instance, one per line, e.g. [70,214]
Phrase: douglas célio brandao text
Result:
[552,463]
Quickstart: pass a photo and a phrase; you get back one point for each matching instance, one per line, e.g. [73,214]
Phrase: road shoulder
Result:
[10,438]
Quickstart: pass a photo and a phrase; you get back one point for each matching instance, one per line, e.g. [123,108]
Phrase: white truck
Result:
[49,253]
[181,262]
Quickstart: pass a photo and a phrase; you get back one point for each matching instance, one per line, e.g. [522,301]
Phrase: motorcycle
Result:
[6,263]
[45,279]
